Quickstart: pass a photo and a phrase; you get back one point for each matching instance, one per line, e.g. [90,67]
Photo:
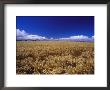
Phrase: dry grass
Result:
[54,57]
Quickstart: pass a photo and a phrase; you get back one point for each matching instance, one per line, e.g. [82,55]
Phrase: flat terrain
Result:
[54,57]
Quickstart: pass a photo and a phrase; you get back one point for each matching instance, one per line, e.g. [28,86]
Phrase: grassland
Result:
[54,57]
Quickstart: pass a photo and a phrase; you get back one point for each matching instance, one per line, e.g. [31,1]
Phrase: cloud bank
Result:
[79,38]
[23,35]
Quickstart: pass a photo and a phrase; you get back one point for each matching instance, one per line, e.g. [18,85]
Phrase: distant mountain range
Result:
[74,40]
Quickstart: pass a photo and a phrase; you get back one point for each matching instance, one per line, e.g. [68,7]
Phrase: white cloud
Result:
[34,37]
[23,35]
[79,38]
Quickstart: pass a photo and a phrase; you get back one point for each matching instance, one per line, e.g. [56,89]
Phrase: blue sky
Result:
[55,26]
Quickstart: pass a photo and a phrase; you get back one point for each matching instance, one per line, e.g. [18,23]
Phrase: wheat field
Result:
[54,57]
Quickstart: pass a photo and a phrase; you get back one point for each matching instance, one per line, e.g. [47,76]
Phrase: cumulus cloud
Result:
[79,38]
[23,35]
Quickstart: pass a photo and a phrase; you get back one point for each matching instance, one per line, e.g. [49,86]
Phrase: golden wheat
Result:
[54,57]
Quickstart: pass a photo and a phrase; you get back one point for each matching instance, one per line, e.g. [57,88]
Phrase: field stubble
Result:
[54,57]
